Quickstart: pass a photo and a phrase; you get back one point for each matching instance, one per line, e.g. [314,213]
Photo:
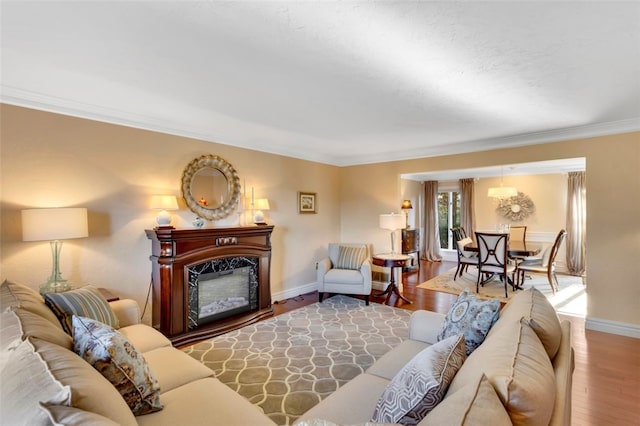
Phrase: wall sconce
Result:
[54,225]
[260,204]
[392,222]
[164,203]
[406,206]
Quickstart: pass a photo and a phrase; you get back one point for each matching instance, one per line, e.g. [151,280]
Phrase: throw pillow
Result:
[114,356]
[86,302]
[61,415]
[20,296]
[421,384]
[472,317]
[351,257]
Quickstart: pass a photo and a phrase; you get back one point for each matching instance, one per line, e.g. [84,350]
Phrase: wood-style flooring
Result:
[606,380]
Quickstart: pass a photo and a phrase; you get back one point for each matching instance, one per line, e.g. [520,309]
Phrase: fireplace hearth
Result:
[209,281]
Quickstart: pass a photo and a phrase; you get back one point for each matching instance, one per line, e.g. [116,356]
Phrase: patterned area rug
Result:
[570,300]
[289,363]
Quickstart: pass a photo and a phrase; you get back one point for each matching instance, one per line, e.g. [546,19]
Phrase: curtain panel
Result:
[467,213]
[576,223]
[431,250]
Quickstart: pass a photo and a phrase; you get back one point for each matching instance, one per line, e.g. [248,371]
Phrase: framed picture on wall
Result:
[306,202]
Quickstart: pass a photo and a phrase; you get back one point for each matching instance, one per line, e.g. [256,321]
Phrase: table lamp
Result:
[164,203]
[259,205]
[54,225]
[406,206]
[393,222]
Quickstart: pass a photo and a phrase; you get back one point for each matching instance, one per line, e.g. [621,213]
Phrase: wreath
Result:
[516,208]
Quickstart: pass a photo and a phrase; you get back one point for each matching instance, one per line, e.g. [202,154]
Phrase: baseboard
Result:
[613,327]
[293,292]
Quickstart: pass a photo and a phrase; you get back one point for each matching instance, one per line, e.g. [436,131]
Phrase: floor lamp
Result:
[54,225]
[393,222]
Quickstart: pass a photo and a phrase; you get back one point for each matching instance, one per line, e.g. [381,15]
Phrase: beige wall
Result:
[613,209]
[49,159]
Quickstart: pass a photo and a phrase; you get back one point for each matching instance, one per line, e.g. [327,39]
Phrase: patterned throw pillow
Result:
[85,302]
[421,384]
[472,317]
[351,257]
[114,356]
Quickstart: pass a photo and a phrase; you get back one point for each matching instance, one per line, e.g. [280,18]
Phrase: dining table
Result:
[515,249]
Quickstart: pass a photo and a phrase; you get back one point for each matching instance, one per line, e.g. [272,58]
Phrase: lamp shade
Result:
[54,224]
[406,205]
[164,202]
[502,192]
[392,221]
[261,204]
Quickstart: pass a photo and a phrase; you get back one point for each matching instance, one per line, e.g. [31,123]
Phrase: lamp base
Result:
[55,287]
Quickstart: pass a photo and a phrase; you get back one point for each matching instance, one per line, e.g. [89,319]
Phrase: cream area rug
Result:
[289,363]
[570,300]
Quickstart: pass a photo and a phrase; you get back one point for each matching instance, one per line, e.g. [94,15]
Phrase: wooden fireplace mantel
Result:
[173,250]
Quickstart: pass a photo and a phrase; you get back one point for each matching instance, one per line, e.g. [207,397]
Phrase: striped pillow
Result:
[350,257]
[85,302]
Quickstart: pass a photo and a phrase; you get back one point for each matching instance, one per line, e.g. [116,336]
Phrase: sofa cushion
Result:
[26,379]
[393,361]
[85,302]
[144,338]
[61,415]
[351,257]
[174,368]
[421,384]
[33,325]
[516,363]
[20,296]
[471,317]
[117,359]
[542,317]
[474,404]
[353,403]
[205,401]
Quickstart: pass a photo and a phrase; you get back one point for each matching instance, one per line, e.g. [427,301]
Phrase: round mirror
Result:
[210,187]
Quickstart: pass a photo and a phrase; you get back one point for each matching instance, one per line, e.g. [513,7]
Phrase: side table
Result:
[391,260]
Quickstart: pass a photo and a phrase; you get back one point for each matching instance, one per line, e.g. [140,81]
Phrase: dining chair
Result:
[517,233]
[492,259]
[465,258]
[545,264]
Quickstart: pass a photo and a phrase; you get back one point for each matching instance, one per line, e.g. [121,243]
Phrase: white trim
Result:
[613,327]
[293,292]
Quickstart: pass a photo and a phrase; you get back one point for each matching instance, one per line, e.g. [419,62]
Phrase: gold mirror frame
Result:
[233,187]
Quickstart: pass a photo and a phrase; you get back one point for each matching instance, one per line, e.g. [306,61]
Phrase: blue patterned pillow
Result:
[472,317]
[118,361]
[85,302]
[421,384]
[351,257]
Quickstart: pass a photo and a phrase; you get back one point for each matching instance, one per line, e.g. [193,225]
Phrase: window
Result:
[448,217]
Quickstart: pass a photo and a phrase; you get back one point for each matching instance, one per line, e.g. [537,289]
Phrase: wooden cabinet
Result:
[411,247]
[174,252]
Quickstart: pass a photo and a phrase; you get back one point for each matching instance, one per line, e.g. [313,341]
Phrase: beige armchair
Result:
[347,270]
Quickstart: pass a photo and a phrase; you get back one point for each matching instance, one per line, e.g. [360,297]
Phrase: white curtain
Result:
[431,250]
[467,213]
[576,223]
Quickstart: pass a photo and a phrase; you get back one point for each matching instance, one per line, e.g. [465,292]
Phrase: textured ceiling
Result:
[336,82]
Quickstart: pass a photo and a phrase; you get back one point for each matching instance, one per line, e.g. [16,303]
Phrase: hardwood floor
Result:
[606,380]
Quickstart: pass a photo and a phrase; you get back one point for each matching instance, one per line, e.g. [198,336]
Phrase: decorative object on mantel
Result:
[259,205]
[406,206]
[210,187]
[516,208]
[306,202]
[54,225]
[501,192]
[392,222]
[198,222]
[164,203]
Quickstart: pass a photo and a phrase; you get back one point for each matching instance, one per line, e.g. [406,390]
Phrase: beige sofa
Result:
[35,354]
[527,367]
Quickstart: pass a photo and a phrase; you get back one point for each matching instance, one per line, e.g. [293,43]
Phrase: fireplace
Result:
[209,281]
[222,288]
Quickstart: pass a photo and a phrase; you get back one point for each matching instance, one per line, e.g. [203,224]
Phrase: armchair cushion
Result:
[351,257]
